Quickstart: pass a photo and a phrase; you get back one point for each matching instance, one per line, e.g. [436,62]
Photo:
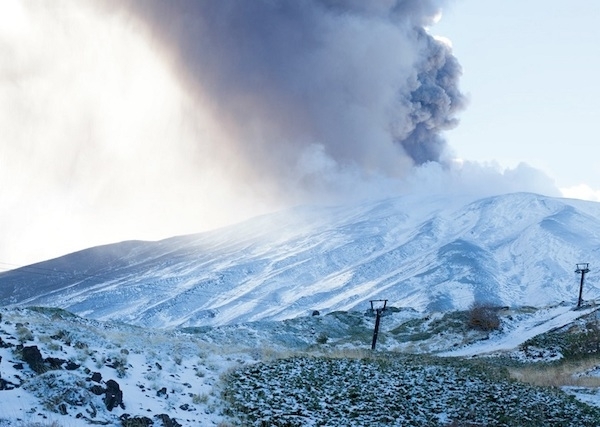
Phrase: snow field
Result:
[428,253]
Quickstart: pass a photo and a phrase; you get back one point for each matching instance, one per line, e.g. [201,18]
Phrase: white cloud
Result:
[581,191]
[480,179]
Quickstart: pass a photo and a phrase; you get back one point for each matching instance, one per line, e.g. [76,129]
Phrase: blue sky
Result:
[531,71]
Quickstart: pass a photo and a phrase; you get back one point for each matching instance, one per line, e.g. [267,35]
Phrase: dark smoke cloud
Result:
[364,80]
[435,100]
[419,13]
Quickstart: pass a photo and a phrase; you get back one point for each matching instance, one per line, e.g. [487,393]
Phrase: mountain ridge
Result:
[432,253]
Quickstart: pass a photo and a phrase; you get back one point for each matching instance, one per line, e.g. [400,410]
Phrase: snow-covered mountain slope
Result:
[431,253]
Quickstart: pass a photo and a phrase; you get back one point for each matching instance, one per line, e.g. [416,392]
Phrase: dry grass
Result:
[565,374]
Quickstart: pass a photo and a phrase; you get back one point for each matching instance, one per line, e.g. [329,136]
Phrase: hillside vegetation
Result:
[61,369]
[392,389]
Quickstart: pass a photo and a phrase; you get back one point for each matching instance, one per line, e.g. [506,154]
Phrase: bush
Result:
[322,338]
[483,317]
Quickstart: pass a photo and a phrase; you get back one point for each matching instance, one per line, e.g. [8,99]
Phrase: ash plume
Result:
[128,119]
[363,80]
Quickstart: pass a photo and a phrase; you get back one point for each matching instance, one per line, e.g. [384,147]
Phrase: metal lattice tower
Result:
[582,268]
[381,303]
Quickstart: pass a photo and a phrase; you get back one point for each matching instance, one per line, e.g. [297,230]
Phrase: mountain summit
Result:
[433,253]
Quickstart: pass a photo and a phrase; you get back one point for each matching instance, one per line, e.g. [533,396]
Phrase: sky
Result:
[146,119]
[530,70]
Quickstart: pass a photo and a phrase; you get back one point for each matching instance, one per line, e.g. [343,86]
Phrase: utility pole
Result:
[378,310]
[582,268]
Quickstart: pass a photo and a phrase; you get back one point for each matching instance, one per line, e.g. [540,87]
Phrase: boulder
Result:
[72,366]
[33,357]
[113,395]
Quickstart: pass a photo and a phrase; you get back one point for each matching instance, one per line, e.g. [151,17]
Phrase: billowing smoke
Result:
[364,80]
[435,99]
[144,119]
[147,118]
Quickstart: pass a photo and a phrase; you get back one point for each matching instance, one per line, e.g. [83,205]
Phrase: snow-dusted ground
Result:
[518,329]
[158,372]
[179,372]
[395,390]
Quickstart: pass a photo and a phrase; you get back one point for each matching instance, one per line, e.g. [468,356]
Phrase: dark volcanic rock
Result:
[33,357]
[168,421]
[5,344]
[62,409]
[97,389]
[113,395]
[54,362]
[72,366]
[128,421]
[7,385]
